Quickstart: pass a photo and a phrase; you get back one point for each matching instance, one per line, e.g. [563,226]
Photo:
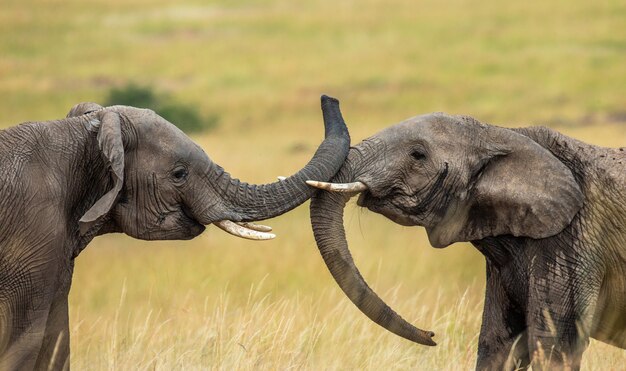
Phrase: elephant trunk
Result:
[327,221]
[244,202]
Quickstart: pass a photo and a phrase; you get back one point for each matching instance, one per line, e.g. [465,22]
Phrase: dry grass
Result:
[223,303]
[231,304]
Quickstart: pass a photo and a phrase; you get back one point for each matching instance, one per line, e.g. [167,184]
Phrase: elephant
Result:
[115,169]
[547,212]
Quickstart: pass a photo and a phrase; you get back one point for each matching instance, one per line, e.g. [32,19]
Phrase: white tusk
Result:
[255,227]
[354,187]
[243,232]
[281,178]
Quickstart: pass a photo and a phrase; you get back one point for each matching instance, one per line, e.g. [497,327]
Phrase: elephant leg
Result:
[55,348]
[30,305]
[23,347]
[556,342]
[559,322]
[502,342]
[25,310]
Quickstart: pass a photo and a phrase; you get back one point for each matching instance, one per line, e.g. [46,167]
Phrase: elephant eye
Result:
[180,174]
[418,155]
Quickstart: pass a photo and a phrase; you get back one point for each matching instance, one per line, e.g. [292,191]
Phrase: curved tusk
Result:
[255,227]
[354,187]
[281,178]
[243,232]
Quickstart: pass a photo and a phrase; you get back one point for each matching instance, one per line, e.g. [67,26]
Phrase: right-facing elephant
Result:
[115,169]
[548,212]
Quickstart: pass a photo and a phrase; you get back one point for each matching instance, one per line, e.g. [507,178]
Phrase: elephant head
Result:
[460,179]
[164,186]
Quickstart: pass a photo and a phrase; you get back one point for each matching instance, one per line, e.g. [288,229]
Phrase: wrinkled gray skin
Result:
[548,212]
[114,169]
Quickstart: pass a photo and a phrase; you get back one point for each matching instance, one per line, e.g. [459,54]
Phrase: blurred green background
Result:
[250,74]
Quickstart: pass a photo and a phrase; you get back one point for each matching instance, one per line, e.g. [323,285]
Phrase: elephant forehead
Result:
[434,128]
[159,136]
[174,144]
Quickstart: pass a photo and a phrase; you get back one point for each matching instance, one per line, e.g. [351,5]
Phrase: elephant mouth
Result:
[386,207]
[171,225]
[187,219]
[385,204]
[367,198]
[233,225]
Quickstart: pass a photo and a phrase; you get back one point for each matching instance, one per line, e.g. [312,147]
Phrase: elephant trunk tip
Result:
[429,339]
[334,124]
[326,99]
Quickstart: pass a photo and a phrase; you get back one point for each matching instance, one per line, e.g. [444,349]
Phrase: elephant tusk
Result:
[255,227]
[354,187]
[243,231]
[281,178]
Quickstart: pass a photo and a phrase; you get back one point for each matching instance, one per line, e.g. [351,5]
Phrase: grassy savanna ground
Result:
[221,302]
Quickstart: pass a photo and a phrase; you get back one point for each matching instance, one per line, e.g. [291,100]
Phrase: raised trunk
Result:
[250,202]
[327,221]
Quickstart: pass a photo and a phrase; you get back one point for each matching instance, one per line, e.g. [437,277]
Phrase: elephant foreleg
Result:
[559,321]
[502,343]
[556,342]
[55,349]
[21,352]
[36,306]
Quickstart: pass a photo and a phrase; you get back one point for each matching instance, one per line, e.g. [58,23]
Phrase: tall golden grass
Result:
[218,302]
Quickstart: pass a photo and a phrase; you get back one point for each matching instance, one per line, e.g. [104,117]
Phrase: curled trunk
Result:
[251,202]
[327,221]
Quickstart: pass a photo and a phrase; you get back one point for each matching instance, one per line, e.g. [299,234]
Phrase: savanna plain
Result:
[218,302]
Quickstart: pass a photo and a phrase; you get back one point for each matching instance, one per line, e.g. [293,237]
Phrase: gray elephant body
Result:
[548,212]
[103,170]
[578,275]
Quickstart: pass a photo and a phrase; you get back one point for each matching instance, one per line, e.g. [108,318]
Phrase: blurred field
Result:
[221,302]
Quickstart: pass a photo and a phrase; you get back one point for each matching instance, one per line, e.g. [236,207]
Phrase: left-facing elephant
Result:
[115,169]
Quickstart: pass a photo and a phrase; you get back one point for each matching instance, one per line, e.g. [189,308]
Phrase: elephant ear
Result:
[112,149]
[519,189]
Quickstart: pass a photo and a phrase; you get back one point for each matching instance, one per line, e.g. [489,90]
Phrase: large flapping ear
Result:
[83,109]
[112,148]
[521,190]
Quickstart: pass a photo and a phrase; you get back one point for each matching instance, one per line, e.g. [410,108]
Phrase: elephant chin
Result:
[327,221]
